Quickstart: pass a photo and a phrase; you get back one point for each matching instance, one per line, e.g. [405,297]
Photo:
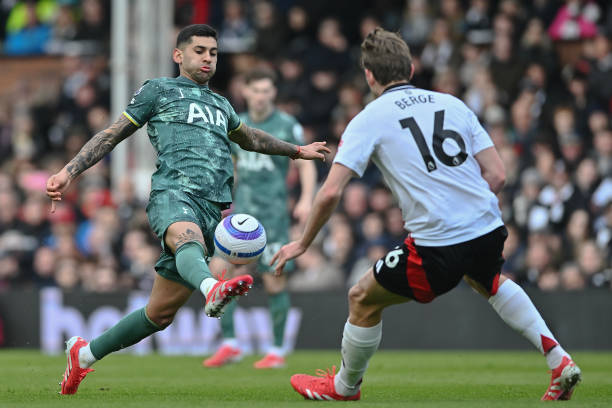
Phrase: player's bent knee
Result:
[356,295]
[162,320]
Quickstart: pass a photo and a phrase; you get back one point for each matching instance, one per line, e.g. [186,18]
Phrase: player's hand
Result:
[313,151]
[56,184]
[302,210]
[285,254]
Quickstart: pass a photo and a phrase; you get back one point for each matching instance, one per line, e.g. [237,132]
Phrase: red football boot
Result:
[321,387]
[225,355]
[74,374]
[270,361]
[224,291]
[564,380]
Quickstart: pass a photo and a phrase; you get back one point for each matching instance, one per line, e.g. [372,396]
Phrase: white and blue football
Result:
[240,239]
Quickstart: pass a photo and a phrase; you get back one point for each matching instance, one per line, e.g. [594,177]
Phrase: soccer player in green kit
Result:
[261,191]
[191,128]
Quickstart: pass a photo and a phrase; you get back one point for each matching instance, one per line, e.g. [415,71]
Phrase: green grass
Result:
[395,379]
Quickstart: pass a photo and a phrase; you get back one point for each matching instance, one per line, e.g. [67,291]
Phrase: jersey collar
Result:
[189,81]
[397,87]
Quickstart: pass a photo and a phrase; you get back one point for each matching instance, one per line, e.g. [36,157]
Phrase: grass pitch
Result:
[395,379]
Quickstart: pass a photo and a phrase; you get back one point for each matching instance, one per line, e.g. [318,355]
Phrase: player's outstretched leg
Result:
[516,309]
[360,340]
[74,373]
[358,345]
[224,291]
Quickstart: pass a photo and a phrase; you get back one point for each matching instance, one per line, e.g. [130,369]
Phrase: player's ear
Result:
[411,72]
[177,56]
[369,77]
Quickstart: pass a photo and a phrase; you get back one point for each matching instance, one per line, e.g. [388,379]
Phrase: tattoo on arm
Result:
[99,145]
[257,140]
[188,236]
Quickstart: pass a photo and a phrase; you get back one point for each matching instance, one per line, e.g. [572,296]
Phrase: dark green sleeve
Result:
[142,106]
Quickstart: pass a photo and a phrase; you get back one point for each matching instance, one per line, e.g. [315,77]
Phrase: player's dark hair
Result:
[260,73]
[198,30]
[387,55]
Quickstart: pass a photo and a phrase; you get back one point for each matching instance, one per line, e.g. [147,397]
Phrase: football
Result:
[240,239]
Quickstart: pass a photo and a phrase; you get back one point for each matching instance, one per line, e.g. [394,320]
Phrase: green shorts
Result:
[170,206]
[263,263]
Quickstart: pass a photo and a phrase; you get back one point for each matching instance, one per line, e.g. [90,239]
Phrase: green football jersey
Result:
[262,188]
[188,125]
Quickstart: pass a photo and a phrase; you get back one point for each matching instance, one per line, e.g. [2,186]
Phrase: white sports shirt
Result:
[424,144]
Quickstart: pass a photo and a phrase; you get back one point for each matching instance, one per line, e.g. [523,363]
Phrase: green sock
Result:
[128,331]
[227,321]
[279,309]
[190,263]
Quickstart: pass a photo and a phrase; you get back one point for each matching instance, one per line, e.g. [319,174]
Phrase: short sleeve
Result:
[142,106]
[233,120]
[480,138]
[356,145]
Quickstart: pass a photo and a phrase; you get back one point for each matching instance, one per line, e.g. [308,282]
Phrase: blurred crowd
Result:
[538,74]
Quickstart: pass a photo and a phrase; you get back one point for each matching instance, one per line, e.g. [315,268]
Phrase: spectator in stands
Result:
[496,54]
[236,33]
[602,142]
[591,263]
[571,277]
[417,23]
[26,33]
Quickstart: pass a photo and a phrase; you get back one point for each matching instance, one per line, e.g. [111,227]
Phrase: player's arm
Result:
[492,168]
[325,203]
[96,148]
[256,140]
[308,180]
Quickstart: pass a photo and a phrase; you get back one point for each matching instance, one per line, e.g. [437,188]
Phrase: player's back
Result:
[424,143]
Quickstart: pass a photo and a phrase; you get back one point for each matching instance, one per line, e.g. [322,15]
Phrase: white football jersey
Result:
[424,144]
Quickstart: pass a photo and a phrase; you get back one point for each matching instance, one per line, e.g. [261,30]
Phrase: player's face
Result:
[260,94]
[198,59]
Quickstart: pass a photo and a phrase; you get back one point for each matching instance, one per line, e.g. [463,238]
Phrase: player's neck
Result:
[378,89]
[261,116]
[186,76]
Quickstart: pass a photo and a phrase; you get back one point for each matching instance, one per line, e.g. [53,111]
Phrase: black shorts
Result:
[422,273]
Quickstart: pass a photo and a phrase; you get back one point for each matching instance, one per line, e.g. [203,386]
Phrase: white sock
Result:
[516,309]
[233,343]
[358,345]
[277,351]
[86,358]
[207,285]
[555,356]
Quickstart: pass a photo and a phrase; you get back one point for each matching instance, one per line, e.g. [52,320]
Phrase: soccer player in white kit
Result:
[443,169]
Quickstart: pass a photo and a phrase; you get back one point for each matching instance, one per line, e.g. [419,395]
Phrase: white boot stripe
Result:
[327,397]
[317,396]
[309,393]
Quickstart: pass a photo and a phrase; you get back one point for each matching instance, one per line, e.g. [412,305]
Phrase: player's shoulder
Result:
[447,99]
[161,82]
[284,116]
[220,100]
[285,119]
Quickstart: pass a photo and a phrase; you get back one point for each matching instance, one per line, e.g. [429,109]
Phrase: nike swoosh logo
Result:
[242,222]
